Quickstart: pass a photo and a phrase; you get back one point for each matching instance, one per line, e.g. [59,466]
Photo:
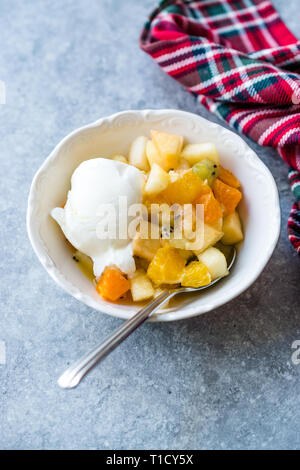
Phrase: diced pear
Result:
[180,243]
[232,229]
[202,240]
[157,181]
[141,286]
[146,247]
[152,154]
[194,153]
[137,153]
[169,147]
[210,237]
[120,158]
[215,262]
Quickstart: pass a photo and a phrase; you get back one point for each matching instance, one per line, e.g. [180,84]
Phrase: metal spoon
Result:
[75,373]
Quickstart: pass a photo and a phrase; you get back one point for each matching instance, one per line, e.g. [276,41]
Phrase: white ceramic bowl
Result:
[259,208]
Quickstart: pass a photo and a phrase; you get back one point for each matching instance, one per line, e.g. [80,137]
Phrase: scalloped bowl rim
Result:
[114,309]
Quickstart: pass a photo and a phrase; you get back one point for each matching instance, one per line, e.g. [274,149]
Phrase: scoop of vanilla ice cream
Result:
[95,183]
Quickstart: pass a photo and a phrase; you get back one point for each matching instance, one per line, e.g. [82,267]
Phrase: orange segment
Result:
[212,208]
[185,189]
[167,266]
[227,196]
[112,284]
[227,177]
[196,274]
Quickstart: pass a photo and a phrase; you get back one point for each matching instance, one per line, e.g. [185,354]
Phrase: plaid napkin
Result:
[243,64]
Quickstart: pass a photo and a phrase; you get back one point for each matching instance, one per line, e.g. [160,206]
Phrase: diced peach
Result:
[112,284]
[227,196]
[212,208]
[227,177]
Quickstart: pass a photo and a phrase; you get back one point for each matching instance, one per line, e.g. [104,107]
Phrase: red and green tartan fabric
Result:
[243,64]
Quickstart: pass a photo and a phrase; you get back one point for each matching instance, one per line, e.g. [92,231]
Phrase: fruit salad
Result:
[172,173]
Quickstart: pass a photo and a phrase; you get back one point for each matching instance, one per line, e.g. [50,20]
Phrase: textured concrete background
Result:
[223,380]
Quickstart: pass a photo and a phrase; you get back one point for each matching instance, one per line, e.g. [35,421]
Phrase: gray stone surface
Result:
[223,380]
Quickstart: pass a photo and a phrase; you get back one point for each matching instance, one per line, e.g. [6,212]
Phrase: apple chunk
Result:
[232,229]
[204,237]
[137,153]
[141,286]
[152,154]
[215,262]
[210,237]
[158,180]
[169,147]
[145,247]
[194,153]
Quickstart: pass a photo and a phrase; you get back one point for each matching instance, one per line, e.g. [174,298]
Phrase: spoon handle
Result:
[75,373]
